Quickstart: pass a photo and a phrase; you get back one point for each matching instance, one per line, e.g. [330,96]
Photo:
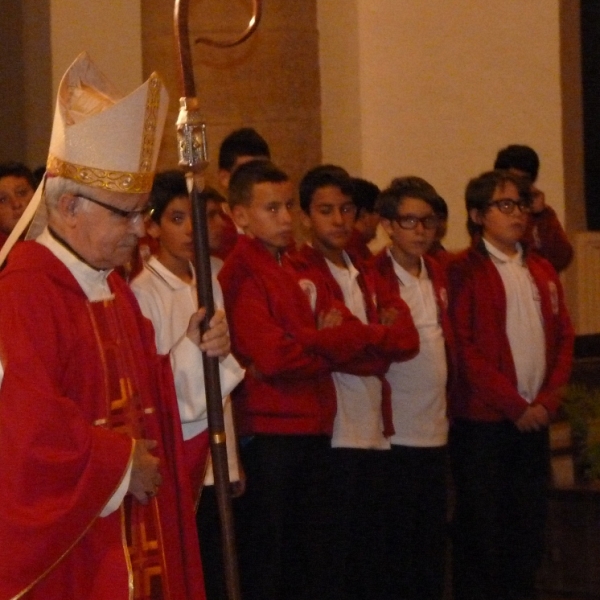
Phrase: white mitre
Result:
[99,138]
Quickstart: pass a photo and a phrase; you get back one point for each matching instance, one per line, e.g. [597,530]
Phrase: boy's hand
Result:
[538,200]
[388,316]
[534,418]
[333,318]
[215,341]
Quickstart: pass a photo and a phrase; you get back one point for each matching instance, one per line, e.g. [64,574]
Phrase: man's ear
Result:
[224,176]
[239,214]
[153,229]
[387,226]
[68,206]
[305,220]
[475,216]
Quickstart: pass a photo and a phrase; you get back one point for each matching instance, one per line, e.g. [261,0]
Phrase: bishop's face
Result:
[105,235]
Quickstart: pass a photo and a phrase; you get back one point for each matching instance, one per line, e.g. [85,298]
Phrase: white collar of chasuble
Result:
[93,282]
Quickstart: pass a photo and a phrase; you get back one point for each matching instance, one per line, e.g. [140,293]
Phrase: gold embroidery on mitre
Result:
[114,181]
[150,123]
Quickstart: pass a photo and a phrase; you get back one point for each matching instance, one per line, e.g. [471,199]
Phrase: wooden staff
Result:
[193,157]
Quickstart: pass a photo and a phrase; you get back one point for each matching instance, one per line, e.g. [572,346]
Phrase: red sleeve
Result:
[486,382]
[58,470]
[548,238]
[561,351]
[259,338]
[392,343]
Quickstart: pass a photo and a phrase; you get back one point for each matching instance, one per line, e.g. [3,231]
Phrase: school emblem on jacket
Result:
[310,289]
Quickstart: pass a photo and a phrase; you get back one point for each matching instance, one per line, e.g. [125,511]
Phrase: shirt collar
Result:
[403,275]
[93,282]
[499,257]
[168,277]
[352,270]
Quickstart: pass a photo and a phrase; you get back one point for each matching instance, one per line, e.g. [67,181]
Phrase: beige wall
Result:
[46,37]
[37,81]
[271,82]
[110,30]
[435,89]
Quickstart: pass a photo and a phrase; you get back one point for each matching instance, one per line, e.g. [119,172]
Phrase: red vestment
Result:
[80,380]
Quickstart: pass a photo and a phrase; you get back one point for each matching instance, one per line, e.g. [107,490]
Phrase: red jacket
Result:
[437,274]
[288,387]
[397,342]
[357,247]
[487,382]
[394,343]
[546,236]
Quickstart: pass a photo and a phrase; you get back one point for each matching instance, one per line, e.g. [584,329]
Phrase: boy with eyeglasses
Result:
[290,334]
[362,425]
[514,345]
[416,483]
[544,232]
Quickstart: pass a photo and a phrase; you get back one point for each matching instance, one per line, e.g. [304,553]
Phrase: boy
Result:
[366,219]
[544,232]
[362,425]
[289,335]
[17,186]
[416,483]
[166,292]
[514,348]
[239,147]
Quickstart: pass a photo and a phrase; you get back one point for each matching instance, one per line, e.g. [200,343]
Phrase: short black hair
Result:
[172,184]
[410,186]
[519,157]
[242,142]
[364,195]
[166,186]
[17,169]
[480,191]
[246,176]
[324,176]
[440,208]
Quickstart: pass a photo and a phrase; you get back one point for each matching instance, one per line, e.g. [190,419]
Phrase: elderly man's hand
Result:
[145,478]
[215,341]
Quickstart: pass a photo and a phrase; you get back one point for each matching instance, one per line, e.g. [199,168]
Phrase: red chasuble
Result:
[81,380]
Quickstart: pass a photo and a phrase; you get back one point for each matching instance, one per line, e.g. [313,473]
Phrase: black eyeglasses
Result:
[507,206]
[411,221]
[133,216]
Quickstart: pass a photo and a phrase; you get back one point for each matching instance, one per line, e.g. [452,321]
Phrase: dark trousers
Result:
[211,546]
[416,531]
[501,479]
[357,501]
[283,528]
